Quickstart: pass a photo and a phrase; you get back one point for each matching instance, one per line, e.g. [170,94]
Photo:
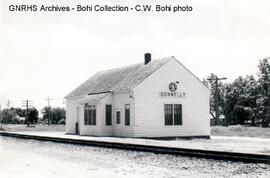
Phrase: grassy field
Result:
[37,127]
[241,131]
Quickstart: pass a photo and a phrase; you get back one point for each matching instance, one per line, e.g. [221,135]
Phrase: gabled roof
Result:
[118,79]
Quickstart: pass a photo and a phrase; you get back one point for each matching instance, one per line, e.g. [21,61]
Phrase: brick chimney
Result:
[147,58]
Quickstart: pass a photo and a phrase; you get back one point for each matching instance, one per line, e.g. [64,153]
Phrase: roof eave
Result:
[191,73]
[74,97]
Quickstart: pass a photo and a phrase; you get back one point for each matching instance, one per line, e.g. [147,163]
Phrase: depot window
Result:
[108,109]
[173,114]
[118,117]
[89,114]
[127,114]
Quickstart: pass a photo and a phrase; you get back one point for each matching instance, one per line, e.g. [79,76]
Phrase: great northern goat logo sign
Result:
[172,87]
[172,91]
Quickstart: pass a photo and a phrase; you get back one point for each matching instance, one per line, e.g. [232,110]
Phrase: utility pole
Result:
[49,109]
[8,105]
[27,104]
[216,79]
[1,118]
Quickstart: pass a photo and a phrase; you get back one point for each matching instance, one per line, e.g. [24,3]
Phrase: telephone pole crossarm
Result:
[49,114]
[27,104]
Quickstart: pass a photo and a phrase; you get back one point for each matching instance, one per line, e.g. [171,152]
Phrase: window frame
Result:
[90,114]
[179,120]
[168,114]
[118,119]
[127,115]
[108,120]
[173,121]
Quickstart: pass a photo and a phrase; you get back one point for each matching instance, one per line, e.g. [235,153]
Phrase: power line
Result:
[216,79]
[27,104]
[49,99]
[49,113]
[8,104]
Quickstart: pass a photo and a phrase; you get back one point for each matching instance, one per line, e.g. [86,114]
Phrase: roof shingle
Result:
[118,79]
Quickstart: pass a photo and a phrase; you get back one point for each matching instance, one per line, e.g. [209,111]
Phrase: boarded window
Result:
[108,109]
[177,114]
[118,117]
[168,110]
[127,114]
[89,114]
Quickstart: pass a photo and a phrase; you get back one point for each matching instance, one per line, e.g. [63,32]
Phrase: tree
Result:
[12,115]
[211,84]
[264,82]
[252,96]
[33,116]
[46,111]
[241,100]
[9,116]
[246,99]
[58,114]
[230,100]
[54,115]
[19,111]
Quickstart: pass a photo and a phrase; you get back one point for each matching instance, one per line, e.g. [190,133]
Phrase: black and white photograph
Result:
[134,89]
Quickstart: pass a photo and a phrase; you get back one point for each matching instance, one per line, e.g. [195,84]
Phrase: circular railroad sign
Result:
[172,87]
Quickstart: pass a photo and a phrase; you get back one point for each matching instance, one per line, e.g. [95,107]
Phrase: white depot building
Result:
[156,98]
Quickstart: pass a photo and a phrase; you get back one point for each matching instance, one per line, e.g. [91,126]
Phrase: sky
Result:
[50,53]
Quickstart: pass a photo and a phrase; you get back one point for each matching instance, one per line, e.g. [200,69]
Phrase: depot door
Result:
[77,124]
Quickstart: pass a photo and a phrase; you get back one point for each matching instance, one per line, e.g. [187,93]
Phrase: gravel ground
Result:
[217,143]
[31,158]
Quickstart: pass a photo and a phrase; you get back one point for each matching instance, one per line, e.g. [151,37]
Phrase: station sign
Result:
[172,92]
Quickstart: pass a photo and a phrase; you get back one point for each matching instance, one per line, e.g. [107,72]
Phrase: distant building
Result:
[157,98]
[222,120]
[21,119]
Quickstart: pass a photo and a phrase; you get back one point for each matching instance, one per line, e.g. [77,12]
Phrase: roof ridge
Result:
[142,65]
[130,65]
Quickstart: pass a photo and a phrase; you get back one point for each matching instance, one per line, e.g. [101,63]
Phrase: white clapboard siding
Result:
[71,114]
[99,129]
[149,105]
[119,101]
